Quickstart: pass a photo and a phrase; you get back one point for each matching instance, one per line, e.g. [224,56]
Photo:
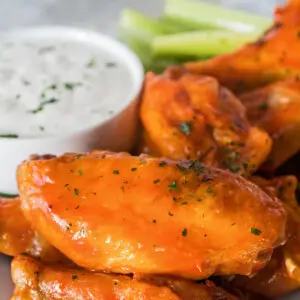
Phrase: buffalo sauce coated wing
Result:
[186,116]
[36,281]
[126,214]
[275,56]
[17,235]
[276,109]
[282,274]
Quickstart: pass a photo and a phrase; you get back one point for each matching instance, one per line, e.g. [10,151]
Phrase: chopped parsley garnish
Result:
[245,165]
[70,85]
[133,169]
[80,172]
[76,192]
[184,232]
[185,128]
[255,231]
[263,106]
[110,64]
[210,190]
[26,82]
[156,181]
[184,180]
[154,221]
[181,168]
[43,104]
[197,166]
[45,49]
[234,168]
[162,163]
[9,136]
[183,203]
[122,188]
[173,186]
[74,277]
[91,63]
[116,172]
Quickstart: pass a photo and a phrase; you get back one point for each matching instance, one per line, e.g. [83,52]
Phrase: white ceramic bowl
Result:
[115,132]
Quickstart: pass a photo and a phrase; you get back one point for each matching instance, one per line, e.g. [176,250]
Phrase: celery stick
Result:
[140,46]
[216,15]
[200,43]
[143,26]
[183,25]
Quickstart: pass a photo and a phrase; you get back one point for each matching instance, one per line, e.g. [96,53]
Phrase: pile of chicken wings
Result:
[205,208]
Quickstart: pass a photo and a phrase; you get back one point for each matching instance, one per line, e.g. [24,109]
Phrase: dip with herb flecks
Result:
[50,87]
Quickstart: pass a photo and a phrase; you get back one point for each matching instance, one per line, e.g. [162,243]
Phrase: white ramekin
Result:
[116,132]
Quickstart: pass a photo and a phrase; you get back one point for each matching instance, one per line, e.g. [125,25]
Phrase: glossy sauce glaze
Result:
[52,86]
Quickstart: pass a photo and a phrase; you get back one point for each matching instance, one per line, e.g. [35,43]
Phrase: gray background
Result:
[101,15]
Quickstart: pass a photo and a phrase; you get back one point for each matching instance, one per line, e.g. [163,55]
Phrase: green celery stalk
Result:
[183,25]
[144,52]
[215,15]
[200,43]
[142,26]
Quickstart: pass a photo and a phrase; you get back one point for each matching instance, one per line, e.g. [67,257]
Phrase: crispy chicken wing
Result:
[273,57]
[282,274]
[126,214]
[187,116]
[17,235]
[276,109]
[42,282]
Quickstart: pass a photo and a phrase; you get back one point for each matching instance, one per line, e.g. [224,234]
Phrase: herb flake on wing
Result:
[255,231]
[185,128]
[43,104]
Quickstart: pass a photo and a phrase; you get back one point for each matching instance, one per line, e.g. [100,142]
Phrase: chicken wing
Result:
[275,56]
[282,274]
[276,109]
[187,116]
[17,235]
[36,281]
[126,214]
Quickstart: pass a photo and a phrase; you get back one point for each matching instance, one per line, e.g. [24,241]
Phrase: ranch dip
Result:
[58,86]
